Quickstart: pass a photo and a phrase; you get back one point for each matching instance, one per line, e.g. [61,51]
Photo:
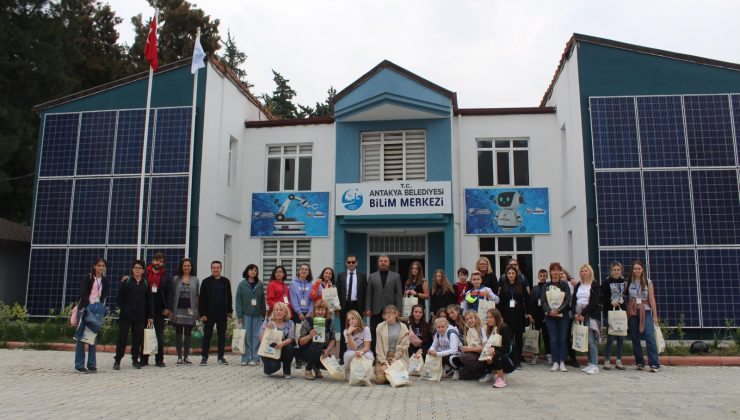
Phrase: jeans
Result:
[220,323]
[620,346]
[273,365]
[648,335]
[558,329]
[593,345]
[251,338]
[80,352]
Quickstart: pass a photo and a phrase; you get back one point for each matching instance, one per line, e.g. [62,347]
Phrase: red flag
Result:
[150,49]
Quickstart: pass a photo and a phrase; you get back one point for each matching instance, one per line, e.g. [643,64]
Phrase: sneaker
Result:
[92,370]
[554,367]
[653,369]
[203,361]
[136,365]
[244,363]
[588,367]
[159,364]
[486,378]
[308,375]
[593,370]
[549,358]
[179,361]
[222,361]
[317,373]
[81,370]
[500,383]
[640,367]
[456,376]
[562,367]
[607,365]
[534,360]
[251,363]
[187,361]
[287,377]
[619,365]
[116,365]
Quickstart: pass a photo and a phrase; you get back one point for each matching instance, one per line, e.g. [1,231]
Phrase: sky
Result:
[493,53]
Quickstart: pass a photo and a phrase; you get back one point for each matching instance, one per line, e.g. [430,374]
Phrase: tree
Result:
[178,23]
[281,103]
[235,58]
[326,109]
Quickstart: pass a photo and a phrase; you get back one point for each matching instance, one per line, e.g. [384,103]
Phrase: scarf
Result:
[154,278]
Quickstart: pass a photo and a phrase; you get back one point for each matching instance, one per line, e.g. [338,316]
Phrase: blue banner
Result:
[290,214]
[507,211]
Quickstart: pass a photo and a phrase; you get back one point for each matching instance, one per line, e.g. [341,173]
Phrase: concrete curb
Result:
[665,360]
[101,348]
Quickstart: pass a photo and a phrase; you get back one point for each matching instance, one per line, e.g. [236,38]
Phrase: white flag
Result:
[198,56]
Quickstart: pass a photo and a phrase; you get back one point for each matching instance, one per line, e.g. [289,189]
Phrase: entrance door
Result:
[401,250]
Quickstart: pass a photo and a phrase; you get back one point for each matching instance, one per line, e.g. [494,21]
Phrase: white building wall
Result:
[545,161]
[254,179]
[566,100]
[223,210]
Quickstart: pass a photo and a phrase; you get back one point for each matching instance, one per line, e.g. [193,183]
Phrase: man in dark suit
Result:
[384,288]
[351,287]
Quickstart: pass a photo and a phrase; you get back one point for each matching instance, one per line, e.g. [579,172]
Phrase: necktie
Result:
[349,288]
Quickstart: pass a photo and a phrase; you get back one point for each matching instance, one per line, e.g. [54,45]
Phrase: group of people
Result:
[462,317]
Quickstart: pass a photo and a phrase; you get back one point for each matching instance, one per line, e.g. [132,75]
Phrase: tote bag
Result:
[432,369]
[416,364]
[331,298]
[332,366]
[408,303]
[270,339]
[489,348]
[617,323]
[531,340]
[580,337]
[397,374]
[472,338]
[659,340]
[555,298]
[237,340]
[483,307]
[150,341]
[360,371]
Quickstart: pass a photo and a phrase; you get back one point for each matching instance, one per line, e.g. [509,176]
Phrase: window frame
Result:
[294,253]
[497,254]
[302,151]
[494,150]
[405,142]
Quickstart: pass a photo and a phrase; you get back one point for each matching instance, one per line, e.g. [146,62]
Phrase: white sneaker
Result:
[588,367]
[486,378]
[607,365]
[554,367]
[549,358]
[593,370]
[456,375]
[562,367]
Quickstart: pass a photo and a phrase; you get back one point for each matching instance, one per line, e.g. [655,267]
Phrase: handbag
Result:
[432,368]
[360,371]
[617,323]
[331,298]
[580,337]
[408,303]
[333,367]
[150,341]
[416,364]
[659,340]
[237,340]
[74,316]
[531,340]
[270,338]
[89,337]
[397,374]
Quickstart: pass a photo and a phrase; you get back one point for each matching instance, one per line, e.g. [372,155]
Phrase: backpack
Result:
[450,331]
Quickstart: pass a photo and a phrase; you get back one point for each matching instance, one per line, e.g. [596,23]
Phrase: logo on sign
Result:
[352,199]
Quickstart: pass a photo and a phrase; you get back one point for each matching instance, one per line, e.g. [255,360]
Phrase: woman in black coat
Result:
[137,308]
[93,289]
[513,295]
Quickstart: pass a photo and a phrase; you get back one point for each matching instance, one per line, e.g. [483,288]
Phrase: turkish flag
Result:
[150,49]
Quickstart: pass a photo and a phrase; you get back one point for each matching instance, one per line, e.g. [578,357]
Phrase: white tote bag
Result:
[416,364]
[398,374]
[360,371]
[237,340]
[580,337]
[432,369]
[336,371]
[617,323]
[150,341]
[408,303]
[483,307]
[331,298]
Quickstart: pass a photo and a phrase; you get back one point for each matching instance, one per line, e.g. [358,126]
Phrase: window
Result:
[286,252]
[503,161]
[502,248]
[289,167]
[226,266]
[394,156]
[232,162]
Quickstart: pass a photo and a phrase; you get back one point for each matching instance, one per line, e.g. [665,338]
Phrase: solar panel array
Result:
[87,198]
[667,180]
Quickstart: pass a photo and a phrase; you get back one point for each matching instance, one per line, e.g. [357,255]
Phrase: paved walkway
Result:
[43,384]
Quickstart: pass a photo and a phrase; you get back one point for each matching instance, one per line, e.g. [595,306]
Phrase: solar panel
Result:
[124,211]
[59,145]
[79,265]
[709,130]
[46,280]
[172,257]
[620,218]
[130,140]
[668,209]
[172,147]
[662,139]
[624,256]
[51,215]
[614,131]
[167,210]
[673,273]
[90,211]
[717,207]
[95,150]
[736,115]
[720,290]
[120,262]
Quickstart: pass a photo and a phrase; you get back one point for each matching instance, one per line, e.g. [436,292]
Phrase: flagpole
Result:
[192,148]
[144,150]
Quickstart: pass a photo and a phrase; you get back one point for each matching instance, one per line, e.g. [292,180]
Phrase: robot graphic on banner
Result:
[290,226]
[507,216]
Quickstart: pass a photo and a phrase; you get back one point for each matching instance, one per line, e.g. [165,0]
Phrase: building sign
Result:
[290,214]
[507,211]
[395,197]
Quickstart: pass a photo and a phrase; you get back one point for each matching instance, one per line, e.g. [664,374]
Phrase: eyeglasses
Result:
[351,262]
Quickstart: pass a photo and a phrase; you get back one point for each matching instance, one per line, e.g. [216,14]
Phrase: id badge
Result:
[638,300]
[303,302]
[539,302]
[254,302]
[285,299]
[512,303]
[154,289]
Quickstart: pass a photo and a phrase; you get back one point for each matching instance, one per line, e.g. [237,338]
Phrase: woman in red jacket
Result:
[277,291]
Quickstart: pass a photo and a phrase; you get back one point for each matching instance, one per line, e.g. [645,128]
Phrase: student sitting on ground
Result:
[392,338]
[316,343]
[446,344]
